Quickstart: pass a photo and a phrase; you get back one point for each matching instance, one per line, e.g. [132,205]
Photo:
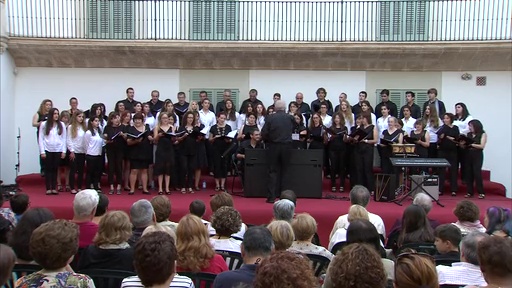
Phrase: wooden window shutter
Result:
[385,24]
[421,97]
[219,96]
[93,18]
[397,97]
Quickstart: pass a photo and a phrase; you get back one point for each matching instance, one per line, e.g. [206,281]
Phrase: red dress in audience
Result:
[87,232]
[217,265]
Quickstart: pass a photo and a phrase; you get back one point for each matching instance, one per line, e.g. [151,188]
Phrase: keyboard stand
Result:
[419,185]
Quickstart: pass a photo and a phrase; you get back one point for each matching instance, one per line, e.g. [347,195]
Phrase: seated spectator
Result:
[256,246]
[7,261]
[359,195]
[354,213]
[289,195]
[285,269]
[101,209]
[447,242]
[424,201]
[155,262]
[20,239]
[467,214]
[162,207]
[157,227]
[467,271]
[226,221]
[142,215]
[195,253]
[497,271]
[224,199]
[304,228]
[282,234]
[198,208]
[110,248]
[5,230]
[284,210]
[505,231]
[415,270]
[84,209]
[346,267]
[7,213]
[415,229]
[495,218]
[53,246]
[19,205]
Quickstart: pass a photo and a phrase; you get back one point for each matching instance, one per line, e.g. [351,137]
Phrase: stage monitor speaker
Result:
[385,187]
[304,173]
[431,185]
[255,173]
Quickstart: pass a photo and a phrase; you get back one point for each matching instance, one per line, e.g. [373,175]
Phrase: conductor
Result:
[277,134]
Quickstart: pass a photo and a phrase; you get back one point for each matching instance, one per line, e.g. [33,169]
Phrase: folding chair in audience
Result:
[319,263]
[200,279]
[233,259]
[428,248]
[105,278]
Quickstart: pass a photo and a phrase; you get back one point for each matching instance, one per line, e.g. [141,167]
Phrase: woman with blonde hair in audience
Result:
[304,228]
[226,221]
[467,214]
[355,212]
[110,249]
[415,270]
[282,234]
[284,269]
[195,253]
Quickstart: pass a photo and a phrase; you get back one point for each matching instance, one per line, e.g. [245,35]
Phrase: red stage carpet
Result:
[256,211]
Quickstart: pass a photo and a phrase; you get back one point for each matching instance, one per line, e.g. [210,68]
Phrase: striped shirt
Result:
[460,273]
[177,282]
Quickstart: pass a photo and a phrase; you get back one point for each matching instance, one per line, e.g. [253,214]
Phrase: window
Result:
[111,19]
[214,20]
[215,95]
[397,96]
[403,21]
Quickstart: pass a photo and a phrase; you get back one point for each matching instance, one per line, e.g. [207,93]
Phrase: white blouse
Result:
[463,125]
[93,144]
[382,125]
[326,120]
[208,119]
[229,244]
[408,125]
[76,145]
[432,132]
[53,142]
[233,123]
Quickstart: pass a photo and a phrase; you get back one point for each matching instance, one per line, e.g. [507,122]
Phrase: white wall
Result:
[491,105]
[288,83]
[7,129]
[89,86]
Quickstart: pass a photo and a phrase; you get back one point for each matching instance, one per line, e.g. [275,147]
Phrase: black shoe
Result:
[270,200]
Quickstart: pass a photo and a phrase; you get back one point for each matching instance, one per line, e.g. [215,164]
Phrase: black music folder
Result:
[115,135]
[174,134]
[359,135]
[464,138]
[387,142]
[332,132]
[137,136]
[410,140]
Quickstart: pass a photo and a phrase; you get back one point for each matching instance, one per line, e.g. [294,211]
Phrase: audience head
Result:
[363,231]
[85,204]
[424,201]
[162,207]
[114,228]
[289,195]
[154,259]
[282,234]
[7,261]
[226,221]
[466,211]
[359,195]
[102,207]
[142,214]
[448,237]
[304,227]
[285,269]
[346,267]
[284,210]
[54,243]
[357,212]
[469,247]
[19,203]
[157,227]
[20,237]
[415,226]
[193,244]
[495,217]
[257,243]
[415,270]
[495,258]
[197,208]
[221,199]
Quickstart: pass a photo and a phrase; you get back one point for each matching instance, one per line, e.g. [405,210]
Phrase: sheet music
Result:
[232,134]
[295,136]
[205,130]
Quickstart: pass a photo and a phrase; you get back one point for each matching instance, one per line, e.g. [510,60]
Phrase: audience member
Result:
[7,261]
[424,201]
[282,234]
[101,209]
[110,248]
[346,267]
[162,206]
[19,205]
[447,242]
[7,213]
[467,271]
[198,208]
[225,199]
[84,209]
[359,195]
[155,262]
[355,212]
[195,253]
[506,230]
[53,246]
[142,215]
[415,229]
[20,239]
[415,270]
[256,246]
[157,227]
[226,221]
[497,270]
[5,230]
[495,218]
[284,269]
[289,195]
[284,210]
[304,228]
[467,214]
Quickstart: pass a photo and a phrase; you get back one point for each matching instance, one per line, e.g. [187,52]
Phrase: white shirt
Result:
[463,125]
[326,120]
[261,121]
[341,236]
[342,222]
[460,273]
[382,125]
[432,132]
[347,122]
[374,119]
[177,282]
[233,123]
[207,119]
[229,244]
[53,142]
[103,123]
[408,125]
[76,145]
[241,121]
[93,144]
[151,122]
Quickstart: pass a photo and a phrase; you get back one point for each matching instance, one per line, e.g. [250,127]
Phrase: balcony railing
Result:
[230,20]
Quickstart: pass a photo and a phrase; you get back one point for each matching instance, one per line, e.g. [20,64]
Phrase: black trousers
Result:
[364,164]
[474,162]
[451,157]
[77,168]
[115,165]
[51,162]
[278,159]
[338,164]
[187,170]
[93,171]
[461,158]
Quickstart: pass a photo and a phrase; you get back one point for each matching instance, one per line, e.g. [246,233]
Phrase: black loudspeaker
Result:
[255,173]
[385,187]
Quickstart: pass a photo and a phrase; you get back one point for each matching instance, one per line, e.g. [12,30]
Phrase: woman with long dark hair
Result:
[364,152]
[448,136]
[475,158]
[337,136]
[300,131]
[52,148]
[93,141]
[77,149]
[126,119]
[415,227]
[115,151]
[231,114]
[220,143]
[462,118]
[41,116]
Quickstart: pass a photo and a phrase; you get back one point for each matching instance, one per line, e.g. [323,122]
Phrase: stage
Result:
[256,211]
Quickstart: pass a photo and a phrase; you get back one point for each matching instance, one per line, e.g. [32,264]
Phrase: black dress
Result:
[124,146]
[364,161]
[420,150]
[247,130]
[141,153]
[201,156]
[317,137]
[387,151]
[474,161]
[300,144]
[164,156]
[448,150]
[219,146]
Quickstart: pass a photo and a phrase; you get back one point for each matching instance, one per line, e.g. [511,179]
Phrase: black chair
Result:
[428,248]
[105,278]
[319,263]
[233,259]
[21,270]
[74,262]
[338,246]
[200,279]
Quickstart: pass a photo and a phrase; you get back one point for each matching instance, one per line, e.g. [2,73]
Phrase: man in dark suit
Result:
[432,99]
[203,95]
[304,108]
[384,96]
[155,104]
[221,105]
[414,108]
[356,109]
[253,99]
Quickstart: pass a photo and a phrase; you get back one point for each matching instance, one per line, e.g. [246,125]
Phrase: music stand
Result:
[404,152]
